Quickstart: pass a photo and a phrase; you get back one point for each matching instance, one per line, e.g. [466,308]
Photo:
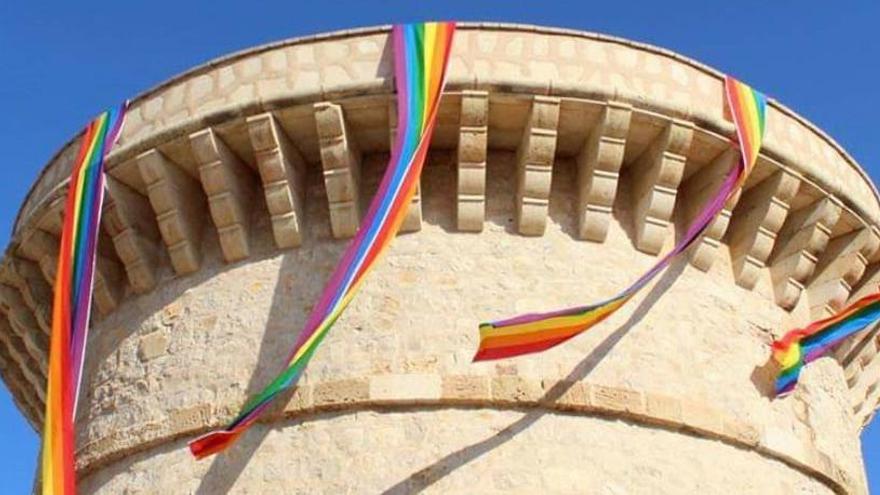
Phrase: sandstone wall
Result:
[667,395]
[562,165]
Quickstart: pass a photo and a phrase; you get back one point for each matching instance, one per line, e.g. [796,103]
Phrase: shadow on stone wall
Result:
[429,475]
[226,467]
[292,297]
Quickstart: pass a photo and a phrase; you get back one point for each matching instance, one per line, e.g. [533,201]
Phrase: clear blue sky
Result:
[62,62]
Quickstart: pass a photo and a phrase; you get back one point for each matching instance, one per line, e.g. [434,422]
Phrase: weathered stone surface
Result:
[341,392]
[617,400]
[392,400]
[465,388]
[515,389]
[152,346]
[665,409]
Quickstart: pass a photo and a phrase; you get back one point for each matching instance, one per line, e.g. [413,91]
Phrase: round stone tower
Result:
[562,165]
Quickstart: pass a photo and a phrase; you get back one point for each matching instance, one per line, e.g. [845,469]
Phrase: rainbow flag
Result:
[421,53]
[804,345]
[536,332]
[72,300]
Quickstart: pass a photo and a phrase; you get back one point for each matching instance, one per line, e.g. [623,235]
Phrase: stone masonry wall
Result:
[669,393]
[563,163]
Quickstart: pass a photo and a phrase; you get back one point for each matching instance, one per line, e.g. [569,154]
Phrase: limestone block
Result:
[741,432]
[465,388]
[665,409]
[701,417]
[26,276]
[617,400]
[129,221]
[300,400]
[515,389]
[337,393]
[152,345]
[566,394]
[841,266]
[405,387]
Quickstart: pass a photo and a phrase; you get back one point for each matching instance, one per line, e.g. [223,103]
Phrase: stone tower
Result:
[562,165]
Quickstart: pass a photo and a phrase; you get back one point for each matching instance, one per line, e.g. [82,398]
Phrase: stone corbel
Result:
[802,239]
[654,179]
[472,152]
[341,162]
[230,188]
[756,220]
[598,171]
[282,171]
[179,205]
[24,326]
[534,160]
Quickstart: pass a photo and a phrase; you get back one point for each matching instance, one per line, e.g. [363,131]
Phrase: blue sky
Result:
[62,62]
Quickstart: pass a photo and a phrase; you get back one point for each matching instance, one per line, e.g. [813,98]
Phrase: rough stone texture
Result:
[397,345]
[667,396]
[152,346]
[457,451]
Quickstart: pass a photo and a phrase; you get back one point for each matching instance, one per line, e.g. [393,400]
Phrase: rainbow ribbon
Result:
[72,300]
[421,53]
[537,332]
[802,346]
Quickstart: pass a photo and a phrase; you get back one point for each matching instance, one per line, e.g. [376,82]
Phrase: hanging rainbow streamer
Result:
[73,300]
[804,345]
[536,332]
[421,52]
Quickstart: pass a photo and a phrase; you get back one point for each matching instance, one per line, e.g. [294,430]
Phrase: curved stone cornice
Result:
[799,133]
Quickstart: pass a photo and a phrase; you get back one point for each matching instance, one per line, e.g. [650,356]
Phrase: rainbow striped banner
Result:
[72,300]
[421,53]
[536,332]
[802,346]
